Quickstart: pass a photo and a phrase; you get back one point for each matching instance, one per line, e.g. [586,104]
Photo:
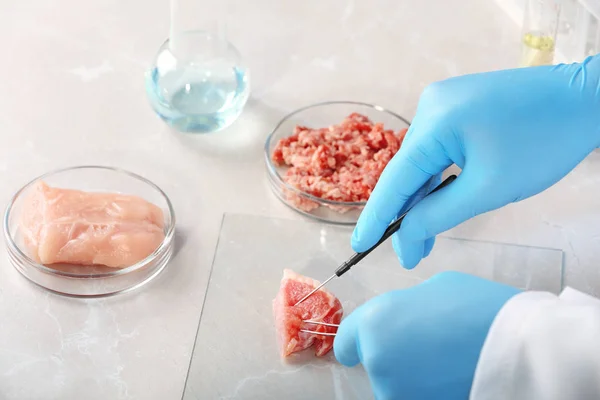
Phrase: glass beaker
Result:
[198,82]
[540,26]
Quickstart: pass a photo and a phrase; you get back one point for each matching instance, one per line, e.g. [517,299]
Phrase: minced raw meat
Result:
[340,163]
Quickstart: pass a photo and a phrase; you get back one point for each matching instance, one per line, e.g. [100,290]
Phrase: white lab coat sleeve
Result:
[542,347]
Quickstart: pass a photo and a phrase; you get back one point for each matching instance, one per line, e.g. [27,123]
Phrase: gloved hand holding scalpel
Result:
[514,133]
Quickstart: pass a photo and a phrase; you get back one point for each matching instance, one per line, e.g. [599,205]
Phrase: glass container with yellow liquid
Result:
[540,26]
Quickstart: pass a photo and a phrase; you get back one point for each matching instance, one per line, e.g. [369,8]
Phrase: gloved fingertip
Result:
[345,357]
[428,247]
[355,241]
[412,252]
[367,232]
[346,345]
[397,248]
[409,266]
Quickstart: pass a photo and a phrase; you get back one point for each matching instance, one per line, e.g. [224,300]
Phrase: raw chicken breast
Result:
[321,306]
[75,227]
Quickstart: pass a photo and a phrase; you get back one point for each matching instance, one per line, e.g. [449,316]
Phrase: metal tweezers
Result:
[393,228]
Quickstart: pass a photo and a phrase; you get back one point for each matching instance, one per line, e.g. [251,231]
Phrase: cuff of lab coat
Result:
[494,377]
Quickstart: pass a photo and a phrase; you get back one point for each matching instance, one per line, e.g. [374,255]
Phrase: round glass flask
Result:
[198,82]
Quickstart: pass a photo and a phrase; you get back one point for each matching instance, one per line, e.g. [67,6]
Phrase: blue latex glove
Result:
[514,133]
[423,343]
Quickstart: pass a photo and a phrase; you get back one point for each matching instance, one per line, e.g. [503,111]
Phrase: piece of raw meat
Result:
[321,306]
[75,227]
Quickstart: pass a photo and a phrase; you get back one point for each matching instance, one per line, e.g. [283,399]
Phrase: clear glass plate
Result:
[236,356]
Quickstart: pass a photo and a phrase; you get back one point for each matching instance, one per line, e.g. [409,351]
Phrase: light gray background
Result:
[72,92]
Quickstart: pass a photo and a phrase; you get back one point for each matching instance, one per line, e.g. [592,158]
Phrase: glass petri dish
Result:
[90,281]
[316,116]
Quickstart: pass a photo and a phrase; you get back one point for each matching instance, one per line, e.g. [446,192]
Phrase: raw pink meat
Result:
[75,227]
[322,306]
[340,163]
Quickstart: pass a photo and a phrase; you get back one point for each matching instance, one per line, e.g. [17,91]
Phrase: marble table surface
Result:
[73,93]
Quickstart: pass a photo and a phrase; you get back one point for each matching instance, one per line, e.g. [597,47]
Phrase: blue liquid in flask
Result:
[199,96]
